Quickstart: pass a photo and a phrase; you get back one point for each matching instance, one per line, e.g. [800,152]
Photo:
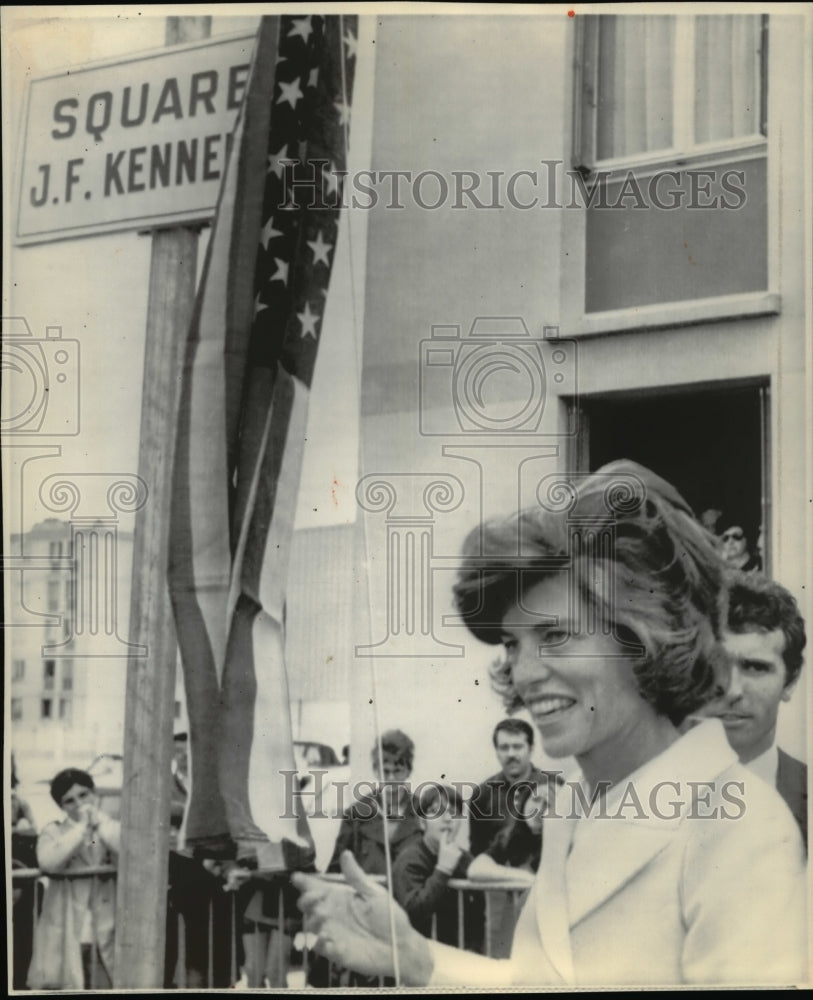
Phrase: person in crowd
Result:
[179,792]
[709,518]
[494,804]
[362,830]
[23,825]
[423,869]
[22,818]
[197,907]
[517,849]
[379,823]
[495,824]
[24,889]
[736,549]
[610,646]
[269,923]
[74,937]
[765,637]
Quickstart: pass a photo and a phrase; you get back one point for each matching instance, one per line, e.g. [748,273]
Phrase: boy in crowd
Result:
[424,867]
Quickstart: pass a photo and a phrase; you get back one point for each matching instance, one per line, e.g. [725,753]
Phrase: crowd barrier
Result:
[249,936]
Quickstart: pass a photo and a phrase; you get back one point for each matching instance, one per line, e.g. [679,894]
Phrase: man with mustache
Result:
[497,826]
[494,803]
[765,637]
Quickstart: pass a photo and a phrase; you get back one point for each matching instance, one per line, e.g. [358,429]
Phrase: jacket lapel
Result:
[551,897]
[628,834]
[626,846]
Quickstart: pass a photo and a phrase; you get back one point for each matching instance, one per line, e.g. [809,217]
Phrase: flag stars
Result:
[277,162]
[259,305]
[344,112]
[290,92]
[281,273]
[351,42]
[308,320]
[321,250]
[301,28]
[268,233]
[331,179]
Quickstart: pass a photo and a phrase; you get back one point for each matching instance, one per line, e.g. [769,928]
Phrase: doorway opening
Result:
[710,443]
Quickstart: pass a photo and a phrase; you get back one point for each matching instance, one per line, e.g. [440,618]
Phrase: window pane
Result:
[727,76]
[635,85]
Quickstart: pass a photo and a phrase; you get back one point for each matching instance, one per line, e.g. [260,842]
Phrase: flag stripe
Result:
[250,360]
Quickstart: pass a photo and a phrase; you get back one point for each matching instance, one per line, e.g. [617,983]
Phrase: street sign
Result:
[131,144]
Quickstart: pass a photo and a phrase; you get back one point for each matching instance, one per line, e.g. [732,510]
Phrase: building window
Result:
[45,708]
[55,549]
[18,670]
[65,709]
[53,595]
[48,674]
[67,676]
[670,143]
[664,88]
[16,709]
[177,710]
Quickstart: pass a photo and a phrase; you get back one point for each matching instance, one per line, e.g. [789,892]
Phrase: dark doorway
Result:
[710,443]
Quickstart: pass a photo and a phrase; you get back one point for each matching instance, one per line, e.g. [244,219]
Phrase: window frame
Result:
[667,314]
[684,151]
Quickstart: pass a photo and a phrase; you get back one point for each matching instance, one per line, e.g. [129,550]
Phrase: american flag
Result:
[250,359]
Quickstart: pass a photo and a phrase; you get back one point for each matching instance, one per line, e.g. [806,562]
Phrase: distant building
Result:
[65,676]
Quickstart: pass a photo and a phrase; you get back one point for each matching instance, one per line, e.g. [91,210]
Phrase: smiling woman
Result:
[609,608]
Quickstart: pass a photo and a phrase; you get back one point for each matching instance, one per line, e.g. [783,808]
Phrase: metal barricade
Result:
[248,937]
[29,889]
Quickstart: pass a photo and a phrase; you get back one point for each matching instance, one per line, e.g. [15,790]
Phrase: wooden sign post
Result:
[149,709]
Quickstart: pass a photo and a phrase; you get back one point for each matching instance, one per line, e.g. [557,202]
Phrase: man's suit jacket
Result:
[791,783]
[703,884]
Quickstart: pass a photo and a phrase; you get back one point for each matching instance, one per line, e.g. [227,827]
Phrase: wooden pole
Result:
[150,698]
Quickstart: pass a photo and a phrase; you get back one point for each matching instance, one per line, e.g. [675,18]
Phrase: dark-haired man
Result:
[765,637]
[497,827]
[496,803]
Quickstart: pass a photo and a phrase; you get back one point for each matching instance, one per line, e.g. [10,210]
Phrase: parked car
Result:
[323,778]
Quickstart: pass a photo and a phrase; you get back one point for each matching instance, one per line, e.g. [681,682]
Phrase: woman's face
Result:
[578,686]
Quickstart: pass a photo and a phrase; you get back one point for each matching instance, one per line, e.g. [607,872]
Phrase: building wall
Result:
[502,102]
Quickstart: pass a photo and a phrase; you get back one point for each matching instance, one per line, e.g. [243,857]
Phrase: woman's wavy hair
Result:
[639,560]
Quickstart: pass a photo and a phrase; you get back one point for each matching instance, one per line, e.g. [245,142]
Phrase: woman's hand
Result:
[352,924]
